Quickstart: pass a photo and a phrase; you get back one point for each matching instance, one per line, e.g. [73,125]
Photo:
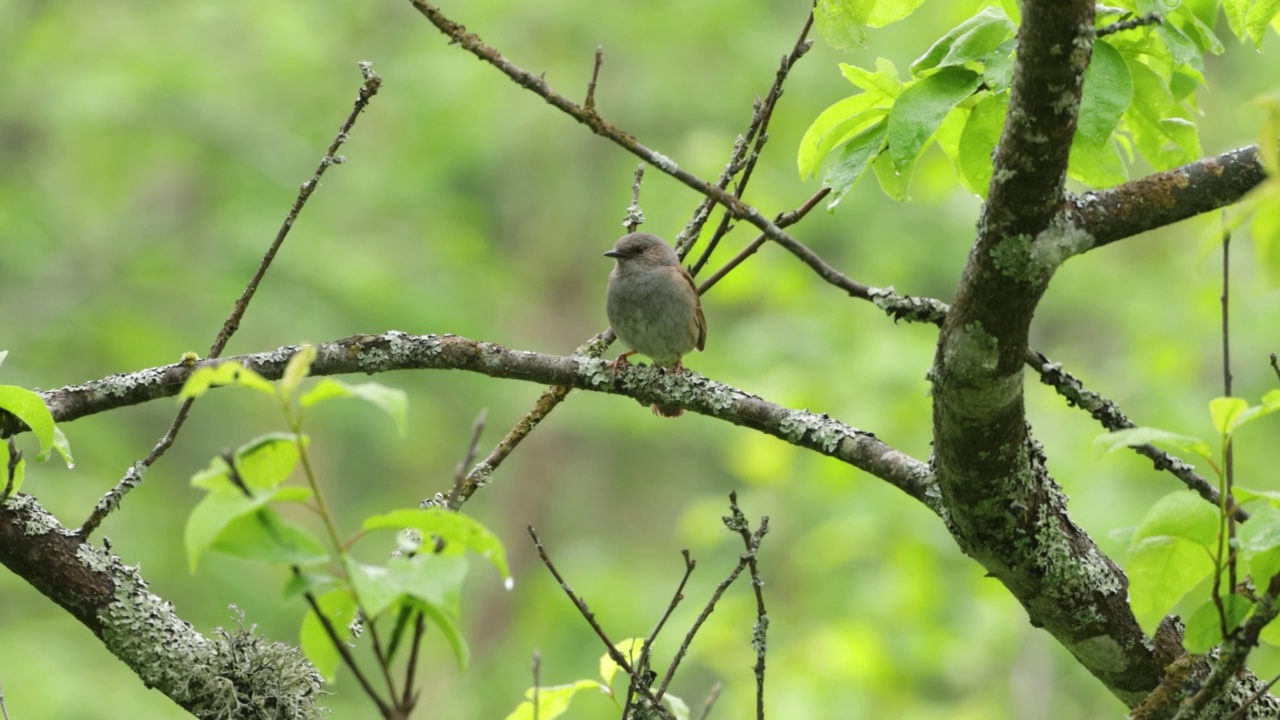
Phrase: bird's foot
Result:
[621,360]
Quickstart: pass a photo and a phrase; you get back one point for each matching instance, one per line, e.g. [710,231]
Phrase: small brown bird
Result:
[653,305]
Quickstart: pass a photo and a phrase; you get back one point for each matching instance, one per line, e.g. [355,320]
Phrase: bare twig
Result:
[783,220]
[1275,365]
[410,697]
[347,658]
[757,131]
[642,665]
[537,680]
[15,457]
[590,617]
[711,701]
[1150,18]
[460,474]
[384,660]
[590,102]
[747,557]
[751,544]
[133,476]
[635,216]
[1226,540]
[4,711]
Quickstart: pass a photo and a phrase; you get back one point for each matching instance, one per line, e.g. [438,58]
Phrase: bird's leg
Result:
[678,367]
[620,360]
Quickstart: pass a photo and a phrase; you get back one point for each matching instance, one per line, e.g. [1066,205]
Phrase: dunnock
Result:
[653,305]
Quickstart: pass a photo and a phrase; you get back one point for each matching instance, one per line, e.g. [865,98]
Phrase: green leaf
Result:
[921,109]
[29,407]
[373,585]
[443,622]
[1259,541]
[630,648]
[435,579]
[392,401]
[297,369]
[264,536]
[1108,91]
[834,126]
[1237,12]
[1270,404]
[1264,228]
[263,463]
[1097,165]
[892,182]
[339,606]
[968,41]
[1170,554]
[311,581]
[978,142]
[882,83]
[451,527]
[1133,437]
[854,160]
[841,23]
[1260,15]
[1160,126]
[1224,411]
[997,69]
[1204,630]
[62,445]
[227,373]
[552,701]
[214,516]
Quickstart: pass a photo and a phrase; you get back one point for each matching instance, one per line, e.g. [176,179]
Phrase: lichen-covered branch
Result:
[1167,197]
[647,385]
[235,675]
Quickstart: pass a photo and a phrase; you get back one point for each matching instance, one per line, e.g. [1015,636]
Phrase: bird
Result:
[653,306]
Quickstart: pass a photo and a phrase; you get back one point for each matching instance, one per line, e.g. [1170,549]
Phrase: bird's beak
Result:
[613,254]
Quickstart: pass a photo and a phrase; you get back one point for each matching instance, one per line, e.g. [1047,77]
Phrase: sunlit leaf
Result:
[392,401]
[552,701]
[227,373]
[297,369]
[1204,627]
[339,606]
[1170,554]
[922,107]
[1110,442]
[451,527]
[29,407]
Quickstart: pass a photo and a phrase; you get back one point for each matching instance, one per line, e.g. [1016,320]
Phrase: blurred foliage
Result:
[151,152]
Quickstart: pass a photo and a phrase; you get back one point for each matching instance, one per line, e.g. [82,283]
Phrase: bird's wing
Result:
[702,320]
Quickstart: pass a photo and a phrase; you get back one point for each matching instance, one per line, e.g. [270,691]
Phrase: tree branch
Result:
[209,677]
[1166,197]
[393,350]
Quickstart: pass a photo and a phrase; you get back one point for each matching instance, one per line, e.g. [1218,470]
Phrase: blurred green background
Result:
[150,153]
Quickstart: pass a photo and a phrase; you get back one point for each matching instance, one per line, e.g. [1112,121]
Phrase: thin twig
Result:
[635,216]
[743,561]
[460,473]
[537,680]
[783,220]
[1275,365]
[758,131]
[383,659]
[590,617]
[4,711]
[590,102]
[1150,18]
[410,697]
[1228,459]
[643,665]
[343,651]
[133,476]
[711,701]
[760,633]
[15,457]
